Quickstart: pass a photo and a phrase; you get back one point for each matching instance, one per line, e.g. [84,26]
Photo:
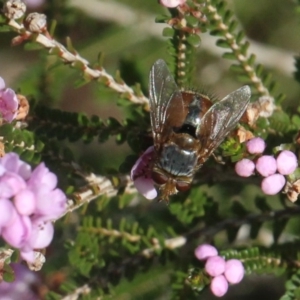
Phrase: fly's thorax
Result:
[198,105]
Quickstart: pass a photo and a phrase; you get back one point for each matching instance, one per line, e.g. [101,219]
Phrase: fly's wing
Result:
[220,119]
[166,103]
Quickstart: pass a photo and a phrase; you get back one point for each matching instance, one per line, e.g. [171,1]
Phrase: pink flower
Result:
[256,145]
[8,102]
[13,164]
[234,271]
[215,266]
[49,204]
[205,251]
[272,185]
[25,202]
[266,165]
[29,201]
[42,234]
[172,3]
[11,184]
[219,286]
[41,176]
[18,231]
[141,175]
[286,162]
[245,167]
[7,207]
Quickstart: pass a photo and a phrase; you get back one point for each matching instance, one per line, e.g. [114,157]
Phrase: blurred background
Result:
[126,34]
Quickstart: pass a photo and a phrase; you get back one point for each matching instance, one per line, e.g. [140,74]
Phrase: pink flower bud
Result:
[215,266]
[172,3]
[7,212]
[271,185]
[234,271]
[286,162]
[219,286]
[205,251]
[145,186]
[8,102]
[141,175]
[245,167]
[266,165]
[25,202]
[42,234]
[18,231]
[256,145]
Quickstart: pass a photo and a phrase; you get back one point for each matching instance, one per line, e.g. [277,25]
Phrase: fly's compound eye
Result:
[159,178]
[182,186]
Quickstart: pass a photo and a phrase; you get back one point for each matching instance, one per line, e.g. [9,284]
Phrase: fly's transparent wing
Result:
[220,119]
[166,103]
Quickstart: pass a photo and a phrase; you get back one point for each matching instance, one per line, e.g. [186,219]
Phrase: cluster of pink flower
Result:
[222,272]
[172,3]
[267,166]
[29,201]
[8,102]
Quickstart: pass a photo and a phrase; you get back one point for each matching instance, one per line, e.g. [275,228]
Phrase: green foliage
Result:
[221,23]
[22,142]
[292,288]
[186,211]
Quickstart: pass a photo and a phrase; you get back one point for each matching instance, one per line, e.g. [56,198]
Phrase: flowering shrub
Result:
[220,164]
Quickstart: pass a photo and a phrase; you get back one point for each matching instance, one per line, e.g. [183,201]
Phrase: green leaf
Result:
[240,36]
[168,32]
[192,21]
[162,19]
[280,121]
[296,120]
[222,43]
[113,123]
[237,68]
[232,26]
[29,46]
[194,40]
[5,28]
[262,205]
[229,55]
[232,232]
[244,48]
[255,229]
[259,69]
[238,209]
[8,273]
[216,32]
[278,228]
